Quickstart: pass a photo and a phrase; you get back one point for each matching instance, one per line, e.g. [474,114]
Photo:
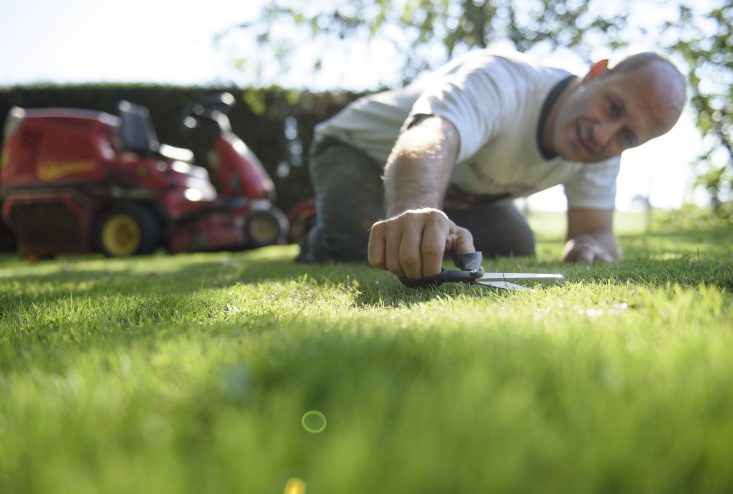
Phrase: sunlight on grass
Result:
[246,372]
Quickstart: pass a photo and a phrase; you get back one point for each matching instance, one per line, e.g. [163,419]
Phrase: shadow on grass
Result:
[684,269]
[150,324]
[184,275]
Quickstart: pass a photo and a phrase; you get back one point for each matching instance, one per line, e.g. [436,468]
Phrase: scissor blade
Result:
[519,276]
[503,284]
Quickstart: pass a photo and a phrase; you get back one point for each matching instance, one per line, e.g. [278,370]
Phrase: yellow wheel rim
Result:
[264,229]
[120,235]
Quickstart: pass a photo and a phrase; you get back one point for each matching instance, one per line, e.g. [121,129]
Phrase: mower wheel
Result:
[127,230]
[7,240]
[265,227]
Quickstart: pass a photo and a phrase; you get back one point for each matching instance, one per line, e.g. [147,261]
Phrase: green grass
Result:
[192,373]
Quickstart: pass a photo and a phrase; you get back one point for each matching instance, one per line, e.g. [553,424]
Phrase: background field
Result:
[193,373]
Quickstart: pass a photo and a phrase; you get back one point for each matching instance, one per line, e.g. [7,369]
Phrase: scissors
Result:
[471,271]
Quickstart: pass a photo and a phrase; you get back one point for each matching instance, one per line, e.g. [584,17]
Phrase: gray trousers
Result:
[350,198]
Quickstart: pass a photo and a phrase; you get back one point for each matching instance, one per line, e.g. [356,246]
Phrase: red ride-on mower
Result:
[78,181]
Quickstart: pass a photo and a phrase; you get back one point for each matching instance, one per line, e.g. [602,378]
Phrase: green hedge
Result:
[259,117]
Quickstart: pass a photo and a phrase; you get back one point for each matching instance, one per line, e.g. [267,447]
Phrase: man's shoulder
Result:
[506,68]
[507,57]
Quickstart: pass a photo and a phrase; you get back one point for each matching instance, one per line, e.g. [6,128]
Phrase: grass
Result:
[195,373]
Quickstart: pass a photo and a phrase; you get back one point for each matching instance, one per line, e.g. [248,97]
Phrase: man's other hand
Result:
[587,249]
[412,244]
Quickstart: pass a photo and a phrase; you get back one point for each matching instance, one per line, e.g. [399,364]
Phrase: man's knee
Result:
[511,243]
[349,200]
[498,231]
[322,245]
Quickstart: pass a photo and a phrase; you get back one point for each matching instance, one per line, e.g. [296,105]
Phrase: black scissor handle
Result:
[470,261]
[470,270]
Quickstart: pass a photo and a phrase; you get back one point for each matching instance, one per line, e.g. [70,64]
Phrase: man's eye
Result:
[614,108]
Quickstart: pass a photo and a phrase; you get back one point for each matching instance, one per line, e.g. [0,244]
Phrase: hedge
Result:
[259,117]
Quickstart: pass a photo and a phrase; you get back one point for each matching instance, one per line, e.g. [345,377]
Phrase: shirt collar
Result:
[545,113]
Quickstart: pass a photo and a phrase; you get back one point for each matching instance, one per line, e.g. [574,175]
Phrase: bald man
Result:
[402,177]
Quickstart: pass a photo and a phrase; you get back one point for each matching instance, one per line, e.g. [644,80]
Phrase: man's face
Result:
[607,114]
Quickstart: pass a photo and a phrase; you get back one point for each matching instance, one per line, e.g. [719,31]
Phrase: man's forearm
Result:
[412,239]
[419,167]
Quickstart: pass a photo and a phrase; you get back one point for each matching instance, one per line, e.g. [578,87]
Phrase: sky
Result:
[164,41]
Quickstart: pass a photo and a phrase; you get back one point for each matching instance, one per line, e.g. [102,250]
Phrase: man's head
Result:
[613,109]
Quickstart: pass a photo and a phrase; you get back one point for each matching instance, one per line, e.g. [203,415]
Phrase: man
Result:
[456,147]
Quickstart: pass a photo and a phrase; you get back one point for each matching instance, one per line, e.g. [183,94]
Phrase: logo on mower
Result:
[51,170]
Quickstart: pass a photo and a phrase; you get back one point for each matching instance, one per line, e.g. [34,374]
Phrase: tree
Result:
[705,40]
[425,33]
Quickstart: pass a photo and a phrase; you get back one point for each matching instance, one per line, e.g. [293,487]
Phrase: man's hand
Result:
[590,237]
[412,244]
[412,240]
[587,249]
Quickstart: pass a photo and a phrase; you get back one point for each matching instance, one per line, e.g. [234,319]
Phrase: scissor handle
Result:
[468,263]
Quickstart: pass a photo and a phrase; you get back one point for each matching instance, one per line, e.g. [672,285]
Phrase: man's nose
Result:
[604,132]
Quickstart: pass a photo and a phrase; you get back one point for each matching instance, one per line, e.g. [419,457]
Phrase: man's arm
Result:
[590,236]
[412,240]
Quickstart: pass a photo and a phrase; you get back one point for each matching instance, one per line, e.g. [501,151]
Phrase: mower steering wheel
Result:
[204,107]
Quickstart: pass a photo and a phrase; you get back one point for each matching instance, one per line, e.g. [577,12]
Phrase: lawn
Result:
[247,373]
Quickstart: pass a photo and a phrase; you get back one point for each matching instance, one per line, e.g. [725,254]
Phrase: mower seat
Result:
[136,129]
[138,135]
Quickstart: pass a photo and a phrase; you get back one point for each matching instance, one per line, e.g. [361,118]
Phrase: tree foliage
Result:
[705,40]
[426,33]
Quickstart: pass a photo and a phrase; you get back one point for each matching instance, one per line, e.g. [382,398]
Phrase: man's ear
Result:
[596,69]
